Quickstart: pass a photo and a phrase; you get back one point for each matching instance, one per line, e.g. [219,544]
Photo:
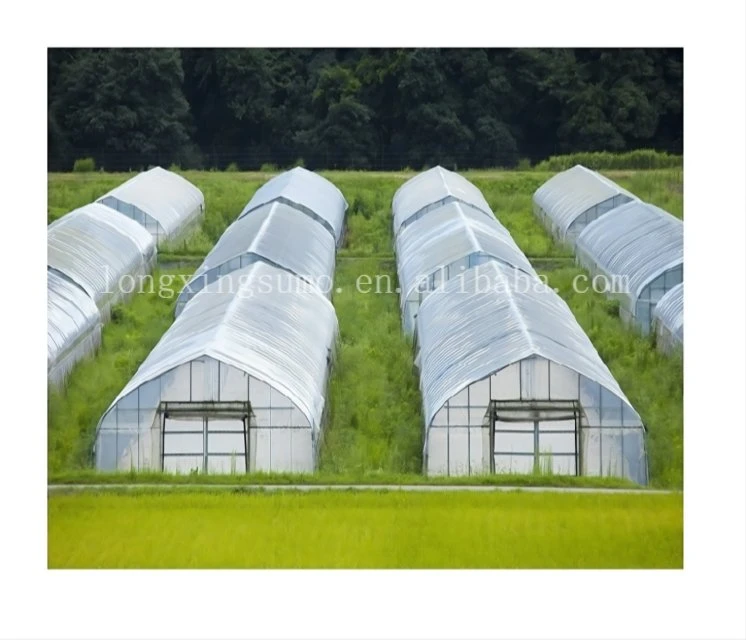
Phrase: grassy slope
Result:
[375,425]
[366,530]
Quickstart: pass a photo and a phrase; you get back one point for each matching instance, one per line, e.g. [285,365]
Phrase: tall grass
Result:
[375,423]
[638,159]
[365,530]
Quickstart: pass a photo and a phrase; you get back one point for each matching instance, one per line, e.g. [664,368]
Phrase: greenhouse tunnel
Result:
[237,384]
[638,250]
[572,199]
[511,384]
[163,202]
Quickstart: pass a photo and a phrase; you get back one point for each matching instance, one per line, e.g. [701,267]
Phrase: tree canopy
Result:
[357,108]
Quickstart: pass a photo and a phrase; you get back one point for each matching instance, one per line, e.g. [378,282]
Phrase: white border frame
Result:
[705,600]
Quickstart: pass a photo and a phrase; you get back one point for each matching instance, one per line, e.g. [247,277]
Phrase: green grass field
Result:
[375,427]
[365,530]
[374,433]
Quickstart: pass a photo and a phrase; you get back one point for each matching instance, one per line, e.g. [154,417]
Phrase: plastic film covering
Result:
[669,319]
[445,243]
[73,326]
[277,234]
[639,248]
[95,247]
[570,200]
[161,201]
[431,189]
[307,192]
[259,320]
[464,334]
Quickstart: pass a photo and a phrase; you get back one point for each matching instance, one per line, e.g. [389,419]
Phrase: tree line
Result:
[357,108]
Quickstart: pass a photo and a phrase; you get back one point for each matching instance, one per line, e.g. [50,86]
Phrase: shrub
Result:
[84,165]
[300,162]
[524,164]
[174,167]
[232,167]
[599,160]
[268,167]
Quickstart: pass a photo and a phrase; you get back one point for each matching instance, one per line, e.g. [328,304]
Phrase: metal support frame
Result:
[554,411]
[205,411]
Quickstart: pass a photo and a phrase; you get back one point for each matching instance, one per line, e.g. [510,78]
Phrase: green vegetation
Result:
[603,160]
[367,108]
[374,400]
[375,426]
[365,530]
[84,165]
[73,413]
[324,476]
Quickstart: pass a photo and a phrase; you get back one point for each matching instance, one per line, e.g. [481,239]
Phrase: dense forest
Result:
[357,108]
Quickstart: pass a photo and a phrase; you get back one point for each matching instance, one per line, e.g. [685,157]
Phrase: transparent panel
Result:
[458,456]
[233,384]
[282,449]
[556,443]
[514,442]
[591,451]
[437,451]
[611,453]
[534,379]
[560,465]
[183,464]
[226,464]
[563,383]
[514,464]
[506,384]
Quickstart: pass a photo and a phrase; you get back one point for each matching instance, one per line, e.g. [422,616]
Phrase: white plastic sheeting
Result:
[445,243]
[307,192]
[669,320]
[430,190]
[73,326]
[639,249]
[162,201]
[275,233]
[265,342]
[95,247]
[572,199]
[484,341]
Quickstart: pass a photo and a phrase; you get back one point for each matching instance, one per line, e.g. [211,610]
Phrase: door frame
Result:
[205,411]
[550,410]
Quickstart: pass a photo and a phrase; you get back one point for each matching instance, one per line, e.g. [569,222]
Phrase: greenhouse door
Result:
[205,437]
[535,437]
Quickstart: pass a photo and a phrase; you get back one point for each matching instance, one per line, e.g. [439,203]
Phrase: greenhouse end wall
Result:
[607,439]
[207,416]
